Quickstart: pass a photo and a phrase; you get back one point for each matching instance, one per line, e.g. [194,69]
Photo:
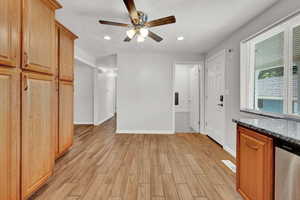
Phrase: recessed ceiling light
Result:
[107,37]
[180,38]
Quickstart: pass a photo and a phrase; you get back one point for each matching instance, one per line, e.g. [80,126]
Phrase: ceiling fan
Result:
[140,25]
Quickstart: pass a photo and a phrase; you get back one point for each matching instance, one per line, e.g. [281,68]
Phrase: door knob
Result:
[220,104]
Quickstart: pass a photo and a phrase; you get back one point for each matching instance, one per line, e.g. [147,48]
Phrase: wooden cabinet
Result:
[66,127]
[65,60]
[254,165]
[39,35]
[9,134]
[66,53]
[29,95]
[10,32]
[37,132]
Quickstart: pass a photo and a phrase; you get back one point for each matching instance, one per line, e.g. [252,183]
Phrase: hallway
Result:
[105,166]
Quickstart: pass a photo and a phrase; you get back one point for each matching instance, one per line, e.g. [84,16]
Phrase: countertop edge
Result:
[268,133]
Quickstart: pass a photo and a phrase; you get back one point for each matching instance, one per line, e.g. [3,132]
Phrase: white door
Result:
[215,99]
[194,101]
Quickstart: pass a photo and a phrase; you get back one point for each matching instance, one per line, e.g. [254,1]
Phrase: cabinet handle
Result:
[25,83]
[254,147]
[25,59]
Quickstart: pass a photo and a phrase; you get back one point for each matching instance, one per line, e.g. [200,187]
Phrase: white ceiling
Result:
[203,23]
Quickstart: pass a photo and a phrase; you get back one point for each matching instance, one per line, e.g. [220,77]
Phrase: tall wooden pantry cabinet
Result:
[65,77]
[38,90]
[36,84]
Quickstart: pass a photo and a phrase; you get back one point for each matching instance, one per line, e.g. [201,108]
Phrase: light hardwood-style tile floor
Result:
[107,166]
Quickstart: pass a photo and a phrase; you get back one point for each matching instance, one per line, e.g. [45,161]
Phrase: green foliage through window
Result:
[274,72]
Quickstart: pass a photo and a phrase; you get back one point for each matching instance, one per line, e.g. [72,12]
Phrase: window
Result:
[268,72]
[296,64]
[270,79]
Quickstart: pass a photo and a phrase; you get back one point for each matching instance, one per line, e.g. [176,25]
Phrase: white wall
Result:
[108,61]
[94,94]
[145,92]
[276,12]
[84,57]
[184,83]
[182,86]
[83,94]
[104,96]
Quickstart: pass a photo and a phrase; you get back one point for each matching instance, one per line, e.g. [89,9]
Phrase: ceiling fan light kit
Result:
[140,25]
[140,38]
[144,32]
[131,33]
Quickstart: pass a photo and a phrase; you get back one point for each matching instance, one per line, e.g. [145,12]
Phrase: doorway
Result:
[187,97]
[215,97]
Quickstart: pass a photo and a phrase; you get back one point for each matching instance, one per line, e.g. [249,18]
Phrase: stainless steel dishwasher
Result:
[287,171]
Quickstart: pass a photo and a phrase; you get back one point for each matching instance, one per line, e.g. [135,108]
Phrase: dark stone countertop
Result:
[283,129]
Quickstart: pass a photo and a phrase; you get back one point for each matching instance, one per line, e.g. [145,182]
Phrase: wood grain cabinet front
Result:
[39,35]
[66,53]
[65,76]
[37,131]
[10,33]
[66,125]
[9,134]
[254,165]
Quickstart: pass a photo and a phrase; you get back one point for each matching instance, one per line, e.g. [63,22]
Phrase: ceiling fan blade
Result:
[132,10]
[162,21]
[155,37]
[113,23]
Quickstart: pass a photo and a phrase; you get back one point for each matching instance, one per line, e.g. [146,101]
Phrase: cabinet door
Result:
[66,56]
[55,109]
[9,134]
[39,36]
[66,127]
[10,34]
[37,131]
[255,165]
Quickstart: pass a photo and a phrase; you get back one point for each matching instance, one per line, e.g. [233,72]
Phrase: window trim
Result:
[295,22]
[286,26]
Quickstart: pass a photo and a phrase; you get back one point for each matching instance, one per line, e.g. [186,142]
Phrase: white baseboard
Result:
[203,132]
[230,165]
[104,120]
[230,151]
[83,123]
[145,132]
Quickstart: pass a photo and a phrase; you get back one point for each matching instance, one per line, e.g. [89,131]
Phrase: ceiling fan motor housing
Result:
[143,18]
